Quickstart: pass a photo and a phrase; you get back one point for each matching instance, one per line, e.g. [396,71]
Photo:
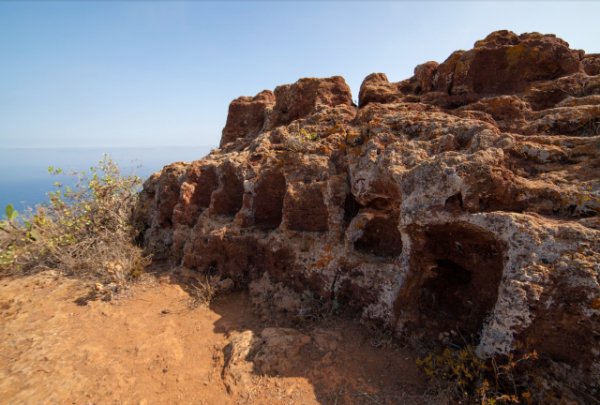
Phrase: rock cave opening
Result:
[380,238]
[202,186]
[455,273]
[351,208]
[227,199]
[268,200]
[205,185]
[443,293]
[455,203]
[168,195]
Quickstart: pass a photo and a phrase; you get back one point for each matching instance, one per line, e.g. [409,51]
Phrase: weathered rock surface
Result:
[465,198]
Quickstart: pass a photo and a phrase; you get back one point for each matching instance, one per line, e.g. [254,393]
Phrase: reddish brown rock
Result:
[424,75]
[508,112]
[591,64]
[549,93]
[195,193]
[376,88]
[498,39]
[464,201]
[298,100]
[247,116]
[305,208]
[503,63]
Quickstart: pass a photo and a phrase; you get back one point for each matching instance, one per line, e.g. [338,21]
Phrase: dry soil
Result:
[150,347]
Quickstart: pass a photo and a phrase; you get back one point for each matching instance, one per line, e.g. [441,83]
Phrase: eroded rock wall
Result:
[463,199]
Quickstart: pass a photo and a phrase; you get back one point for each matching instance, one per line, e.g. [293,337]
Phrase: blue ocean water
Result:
[25,181]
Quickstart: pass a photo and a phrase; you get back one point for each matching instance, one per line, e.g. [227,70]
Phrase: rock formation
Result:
[464,199]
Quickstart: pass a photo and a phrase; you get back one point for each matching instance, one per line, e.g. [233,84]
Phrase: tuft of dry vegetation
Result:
[83,230]
[470,379]
[202,292]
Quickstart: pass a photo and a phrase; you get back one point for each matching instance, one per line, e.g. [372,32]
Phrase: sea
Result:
[25,180]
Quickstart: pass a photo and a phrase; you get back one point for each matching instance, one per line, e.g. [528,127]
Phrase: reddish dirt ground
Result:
[150,347]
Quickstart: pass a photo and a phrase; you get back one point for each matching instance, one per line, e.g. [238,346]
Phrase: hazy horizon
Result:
[131,74]
[137,147]
[27,180]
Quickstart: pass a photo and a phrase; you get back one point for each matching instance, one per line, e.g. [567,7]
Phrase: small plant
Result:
[300,140]
[309,136]
[8,226]
[484,381]
[313,307]
[10,213]
[203,292]
[84,230]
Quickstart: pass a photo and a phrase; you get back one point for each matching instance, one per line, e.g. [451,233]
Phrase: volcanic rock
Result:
[464,199]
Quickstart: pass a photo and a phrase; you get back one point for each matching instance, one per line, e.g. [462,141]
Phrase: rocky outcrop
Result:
[463,199]
[246,116]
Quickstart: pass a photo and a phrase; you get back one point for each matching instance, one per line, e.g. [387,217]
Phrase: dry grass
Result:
[202,292]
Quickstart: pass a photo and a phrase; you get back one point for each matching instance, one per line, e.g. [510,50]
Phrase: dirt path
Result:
[150,347]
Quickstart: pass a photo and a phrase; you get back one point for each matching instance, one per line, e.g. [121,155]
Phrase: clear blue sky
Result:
[163,73]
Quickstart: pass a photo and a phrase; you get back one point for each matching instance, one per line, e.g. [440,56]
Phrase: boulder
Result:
[247,116]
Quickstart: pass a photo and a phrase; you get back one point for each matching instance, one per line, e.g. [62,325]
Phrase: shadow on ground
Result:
[330,360]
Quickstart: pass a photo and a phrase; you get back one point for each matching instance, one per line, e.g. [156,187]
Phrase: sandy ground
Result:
[150,347]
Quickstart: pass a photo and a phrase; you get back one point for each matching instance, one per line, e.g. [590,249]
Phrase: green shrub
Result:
[83,231]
